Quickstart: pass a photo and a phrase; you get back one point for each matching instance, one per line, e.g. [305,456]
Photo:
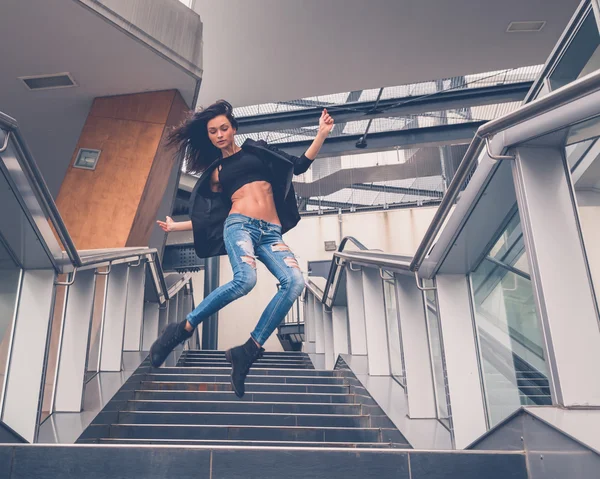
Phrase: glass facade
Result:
[581,57]
[509,333]
[10,278]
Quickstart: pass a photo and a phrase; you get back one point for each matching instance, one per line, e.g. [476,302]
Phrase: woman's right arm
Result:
[171,225]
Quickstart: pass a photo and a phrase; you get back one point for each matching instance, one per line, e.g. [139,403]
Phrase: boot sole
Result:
[228,358]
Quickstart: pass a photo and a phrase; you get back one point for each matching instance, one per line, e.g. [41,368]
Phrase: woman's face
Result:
[221,132]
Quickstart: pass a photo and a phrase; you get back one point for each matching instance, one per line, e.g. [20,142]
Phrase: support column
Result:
[309,324]
[73,351]
[340,330]
[22,406]
[328,336]
[135,308]
[356,313]
[173,309]
[377,342]
[151,320]
[181,314]
[564,295]
[113,331]
[210,326]
[319,328]
[163,316]
[415,344]
[462,359]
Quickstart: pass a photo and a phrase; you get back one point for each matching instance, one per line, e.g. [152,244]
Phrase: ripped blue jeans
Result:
[246,240]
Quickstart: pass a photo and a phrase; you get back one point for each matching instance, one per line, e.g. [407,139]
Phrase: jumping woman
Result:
[241,205]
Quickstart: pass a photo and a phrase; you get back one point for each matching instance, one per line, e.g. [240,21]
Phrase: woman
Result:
[241,205]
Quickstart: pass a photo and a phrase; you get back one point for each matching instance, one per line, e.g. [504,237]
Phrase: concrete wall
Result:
[170,27]
[393,231]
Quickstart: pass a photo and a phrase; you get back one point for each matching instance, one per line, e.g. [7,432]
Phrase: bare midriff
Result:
[252,199]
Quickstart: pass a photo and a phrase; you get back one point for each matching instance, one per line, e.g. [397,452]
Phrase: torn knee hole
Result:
[291,263]
[279,247]
[249,260]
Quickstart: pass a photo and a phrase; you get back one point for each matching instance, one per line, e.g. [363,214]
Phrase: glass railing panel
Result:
[581,57]
[10,279]
[437,354]
[21,224]
[509,333]
[53,348]
[96,329]
[393,331]
[586,180]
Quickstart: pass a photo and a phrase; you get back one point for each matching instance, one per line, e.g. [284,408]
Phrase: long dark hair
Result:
[191,137]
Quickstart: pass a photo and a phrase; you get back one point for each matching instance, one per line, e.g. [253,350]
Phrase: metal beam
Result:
[347,206]
[397,190]
[394,107]
[432,136]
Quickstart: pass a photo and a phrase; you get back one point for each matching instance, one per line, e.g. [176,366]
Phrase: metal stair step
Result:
[244,419]
[245,406]
[281,444]
[225,378]
[250,387]
[266,354]
[258,364]
[143,395]
[245,433]
[255,371]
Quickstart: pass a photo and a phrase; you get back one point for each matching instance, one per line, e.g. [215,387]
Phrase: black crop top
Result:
[240,169]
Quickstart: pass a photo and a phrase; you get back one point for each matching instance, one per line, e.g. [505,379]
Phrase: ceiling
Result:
[53,36]
[274,50]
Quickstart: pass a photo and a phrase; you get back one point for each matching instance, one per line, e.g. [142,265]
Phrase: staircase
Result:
[287,404]
[295,422]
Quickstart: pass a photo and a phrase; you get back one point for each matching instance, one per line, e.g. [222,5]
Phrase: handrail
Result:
[334,266]
[352,239]
[567,94]
[37,183]
[377,259]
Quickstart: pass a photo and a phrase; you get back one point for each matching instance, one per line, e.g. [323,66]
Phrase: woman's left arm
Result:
[325,127]
[305,161]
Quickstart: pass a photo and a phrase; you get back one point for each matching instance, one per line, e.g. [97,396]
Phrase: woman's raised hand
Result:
[325,123]
[168,225]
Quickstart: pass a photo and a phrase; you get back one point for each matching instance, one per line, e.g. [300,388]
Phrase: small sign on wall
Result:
[87,159]
[330,246]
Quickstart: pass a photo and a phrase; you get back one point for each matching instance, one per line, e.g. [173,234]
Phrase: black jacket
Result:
[209,210]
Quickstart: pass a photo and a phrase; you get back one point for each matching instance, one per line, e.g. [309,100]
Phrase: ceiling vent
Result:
[49,82]
[520,27]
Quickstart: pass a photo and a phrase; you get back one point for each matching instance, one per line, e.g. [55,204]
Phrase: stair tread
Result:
[273,403]
[210,413]
[251,443]
[248,426]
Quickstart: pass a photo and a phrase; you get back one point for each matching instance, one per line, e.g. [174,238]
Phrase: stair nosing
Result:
[248,392]
[241,413]
[185,401]
[247,426]
[292,444]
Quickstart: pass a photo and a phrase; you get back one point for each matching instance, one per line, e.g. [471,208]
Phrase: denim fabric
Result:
[246,240]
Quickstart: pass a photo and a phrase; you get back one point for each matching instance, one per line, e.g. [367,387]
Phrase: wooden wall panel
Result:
[100,207]
[156,185]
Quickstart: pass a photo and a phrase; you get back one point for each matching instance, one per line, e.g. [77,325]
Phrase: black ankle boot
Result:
[241,358]
[173,335]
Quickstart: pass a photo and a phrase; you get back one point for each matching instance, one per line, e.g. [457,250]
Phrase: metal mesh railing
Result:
[499,77]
